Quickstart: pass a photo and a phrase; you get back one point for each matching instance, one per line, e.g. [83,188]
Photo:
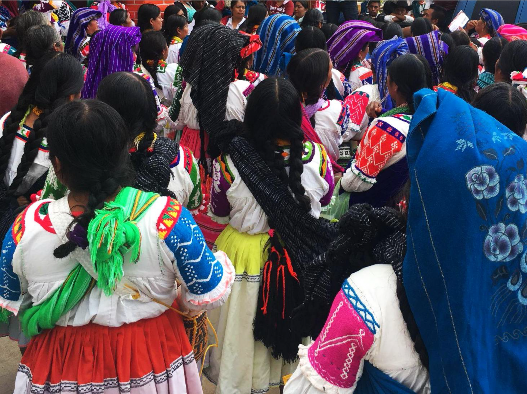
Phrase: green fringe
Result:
[5,315]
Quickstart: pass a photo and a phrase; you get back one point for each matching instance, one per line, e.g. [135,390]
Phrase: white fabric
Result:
[338,79]
[355,76]
[392,350]
[229,24]
[154,275]
[36,170]
[235,108]
[180,183]
[173,53]
[353,180]
[247,216]
[330,132]
[166,81]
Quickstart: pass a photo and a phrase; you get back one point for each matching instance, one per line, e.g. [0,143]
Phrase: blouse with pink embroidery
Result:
[364,324]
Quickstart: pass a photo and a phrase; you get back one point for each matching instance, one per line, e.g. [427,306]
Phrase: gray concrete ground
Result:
[10,357]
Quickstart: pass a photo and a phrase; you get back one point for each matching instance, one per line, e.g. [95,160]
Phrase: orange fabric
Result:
[91,353]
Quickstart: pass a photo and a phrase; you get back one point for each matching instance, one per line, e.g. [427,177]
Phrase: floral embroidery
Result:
[483,182]
[502,243]
[463,144]
[516,194]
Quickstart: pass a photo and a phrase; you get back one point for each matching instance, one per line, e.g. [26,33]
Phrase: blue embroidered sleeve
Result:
[201,271]
[9,282]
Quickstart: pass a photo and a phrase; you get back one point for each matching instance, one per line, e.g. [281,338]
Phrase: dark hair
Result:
[460,38]
[151,49]
[492,51]
[505,104]
[274,113]
[207,15]
[145,13]
[255,17]
[305,4]
[409,74]
[461,70]
[23,23]
[421,26]
[89,139]
[118,17]
[53,79]
[174,22]
[513,58]
[439,13]
[329,29]
[310,37]
[173,9]
[447,39]
[312,17]
[428,76]
[308,72]
[392,29]
[131,95]
[39,41]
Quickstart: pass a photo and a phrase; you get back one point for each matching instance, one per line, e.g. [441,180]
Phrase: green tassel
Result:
[5,315]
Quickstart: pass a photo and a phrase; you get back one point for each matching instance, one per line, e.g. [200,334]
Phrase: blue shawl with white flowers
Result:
[467,245]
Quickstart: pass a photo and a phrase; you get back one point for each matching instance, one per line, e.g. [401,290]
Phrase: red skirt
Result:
[191,139]
[148,356]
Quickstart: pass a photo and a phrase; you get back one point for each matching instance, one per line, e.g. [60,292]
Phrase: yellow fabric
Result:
[246,252]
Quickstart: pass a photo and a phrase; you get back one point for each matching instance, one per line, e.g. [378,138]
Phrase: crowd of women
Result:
[246,192]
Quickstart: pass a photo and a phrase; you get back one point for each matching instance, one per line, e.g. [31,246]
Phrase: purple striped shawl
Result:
[77,29]
[433,49]
[345,44]
[110,52]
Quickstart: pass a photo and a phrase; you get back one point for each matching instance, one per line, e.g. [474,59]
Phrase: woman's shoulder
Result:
[392,124]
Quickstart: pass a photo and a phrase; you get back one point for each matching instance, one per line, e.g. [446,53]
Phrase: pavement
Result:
[10,357]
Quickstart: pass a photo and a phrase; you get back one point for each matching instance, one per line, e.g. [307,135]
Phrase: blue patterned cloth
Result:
[9,282]
[200,270]
[492,19]
[278,34]
[466,245]
[77,29]
[383,55]
[374,381]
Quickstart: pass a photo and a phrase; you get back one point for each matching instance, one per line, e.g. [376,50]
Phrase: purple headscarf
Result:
[110,52]
[77,29]
[433,49]
[105,7]
[345,44]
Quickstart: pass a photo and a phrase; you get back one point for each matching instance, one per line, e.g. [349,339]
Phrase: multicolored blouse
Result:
[172,249]
[359,76]
[364,324]
[231,201]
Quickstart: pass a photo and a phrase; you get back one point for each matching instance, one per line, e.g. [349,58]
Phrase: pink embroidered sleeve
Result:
[338,352]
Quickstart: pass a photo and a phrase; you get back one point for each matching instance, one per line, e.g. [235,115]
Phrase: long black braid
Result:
[90,140]
[63,77]
[151,47]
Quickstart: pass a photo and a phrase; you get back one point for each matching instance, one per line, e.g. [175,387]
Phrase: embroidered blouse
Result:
[173,50]
[239,90]
[231,201]
[172,249]
[359,76]
[165,77]
[333,126]
[341,83]
[40,164]
[383,145]
[357,103]
[364,324]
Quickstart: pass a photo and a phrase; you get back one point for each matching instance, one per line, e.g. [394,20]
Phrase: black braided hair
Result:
[308,72]
[461,70]
[132,97]
[62,76]
[409,73]
[39,41]
[151,47]
[88,145]
[273,113]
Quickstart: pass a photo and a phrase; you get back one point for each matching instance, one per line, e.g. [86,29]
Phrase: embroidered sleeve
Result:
[206,277]
[379,144]
[191,166]
[12,287]
[326,172]
[356,103]
[336,357]
[222,178]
